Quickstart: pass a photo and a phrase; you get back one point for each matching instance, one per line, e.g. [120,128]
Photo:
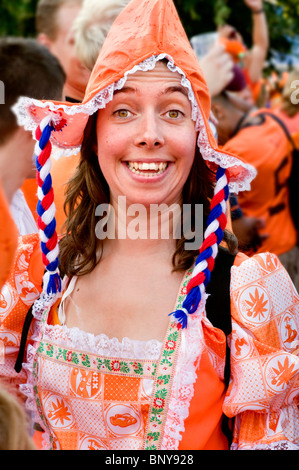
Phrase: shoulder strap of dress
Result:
[218,302]
[25,331]
[219,313]
[26,326]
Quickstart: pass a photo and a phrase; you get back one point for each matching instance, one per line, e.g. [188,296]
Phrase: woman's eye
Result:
[174,113]
[122,113]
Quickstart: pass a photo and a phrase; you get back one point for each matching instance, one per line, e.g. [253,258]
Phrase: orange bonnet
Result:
[145,31]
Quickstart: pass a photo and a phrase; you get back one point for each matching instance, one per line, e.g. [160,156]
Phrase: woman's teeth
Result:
[149,169]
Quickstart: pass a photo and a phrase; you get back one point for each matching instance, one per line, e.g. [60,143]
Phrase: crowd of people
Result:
[130,343]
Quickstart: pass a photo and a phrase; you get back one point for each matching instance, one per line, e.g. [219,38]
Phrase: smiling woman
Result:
[148,123]
[129,350]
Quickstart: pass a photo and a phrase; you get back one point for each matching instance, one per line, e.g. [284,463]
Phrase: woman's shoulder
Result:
[247,269]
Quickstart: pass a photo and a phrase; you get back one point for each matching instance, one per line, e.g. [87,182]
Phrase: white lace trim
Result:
[191,348]
[102,345]
[279,445]
[40,305]
[25,119]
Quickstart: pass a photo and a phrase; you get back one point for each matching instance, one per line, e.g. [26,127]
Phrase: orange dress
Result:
[89,393]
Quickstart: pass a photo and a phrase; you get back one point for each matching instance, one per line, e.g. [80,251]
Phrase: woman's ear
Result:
[95,148]
[217,110]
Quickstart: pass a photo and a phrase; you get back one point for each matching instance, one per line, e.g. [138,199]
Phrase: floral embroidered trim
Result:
[106,365]
[164,380]
[165,421]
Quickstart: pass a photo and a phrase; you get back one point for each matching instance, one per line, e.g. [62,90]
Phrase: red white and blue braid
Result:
[46,208]
[208,251]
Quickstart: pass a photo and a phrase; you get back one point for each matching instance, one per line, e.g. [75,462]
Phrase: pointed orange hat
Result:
[144,32]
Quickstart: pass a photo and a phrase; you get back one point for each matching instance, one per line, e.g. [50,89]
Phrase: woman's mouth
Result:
[149,169]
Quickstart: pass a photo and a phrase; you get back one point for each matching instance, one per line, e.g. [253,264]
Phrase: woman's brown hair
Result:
[88,188]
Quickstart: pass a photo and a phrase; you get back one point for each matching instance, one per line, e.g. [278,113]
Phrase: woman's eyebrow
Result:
[174,89]
[167,91]
[125,89]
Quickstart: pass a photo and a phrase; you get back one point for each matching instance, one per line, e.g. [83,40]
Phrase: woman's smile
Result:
[147,170]
[147,139]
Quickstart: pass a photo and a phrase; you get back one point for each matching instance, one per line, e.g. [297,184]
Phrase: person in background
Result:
[288,108]
[91,27]
[253,59]
[260,141]
[130,347]
[54,22]
[88,30]
[27,69]
[14,426]
[8,238]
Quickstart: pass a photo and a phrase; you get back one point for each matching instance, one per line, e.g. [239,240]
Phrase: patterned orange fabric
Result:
[265,339]
[266,147]
[89,409]
[22,288]
[89,401]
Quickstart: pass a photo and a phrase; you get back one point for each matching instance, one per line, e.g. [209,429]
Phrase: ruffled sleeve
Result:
[21,289]
[264,387]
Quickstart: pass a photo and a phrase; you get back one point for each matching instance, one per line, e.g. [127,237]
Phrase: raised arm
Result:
[260,40]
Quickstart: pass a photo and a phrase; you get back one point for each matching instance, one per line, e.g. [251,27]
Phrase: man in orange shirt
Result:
[54,22]
[27,69]
[259,140]
[66,27]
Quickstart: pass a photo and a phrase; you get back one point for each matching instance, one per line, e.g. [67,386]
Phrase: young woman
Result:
[126,350]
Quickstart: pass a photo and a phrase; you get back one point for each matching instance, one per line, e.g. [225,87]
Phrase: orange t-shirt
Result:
[295,138]
[62,170]
[29,189]
[265,147]
[8,239]
[292,123]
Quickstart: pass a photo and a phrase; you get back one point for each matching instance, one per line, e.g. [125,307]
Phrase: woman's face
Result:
[146,138]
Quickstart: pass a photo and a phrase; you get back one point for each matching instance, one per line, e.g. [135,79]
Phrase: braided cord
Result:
[208,251]
[46,208]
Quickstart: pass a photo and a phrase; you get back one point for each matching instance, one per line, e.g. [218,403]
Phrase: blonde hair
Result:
[287,105]
[14,434]
[91,27]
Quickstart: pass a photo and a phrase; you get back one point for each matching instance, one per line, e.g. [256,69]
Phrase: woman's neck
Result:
[141,231]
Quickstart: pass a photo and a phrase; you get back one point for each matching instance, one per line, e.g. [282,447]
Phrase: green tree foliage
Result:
[198,16]
[17,17]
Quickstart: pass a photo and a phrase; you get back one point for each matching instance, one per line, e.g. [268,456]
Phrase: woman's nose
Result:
[149,132]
